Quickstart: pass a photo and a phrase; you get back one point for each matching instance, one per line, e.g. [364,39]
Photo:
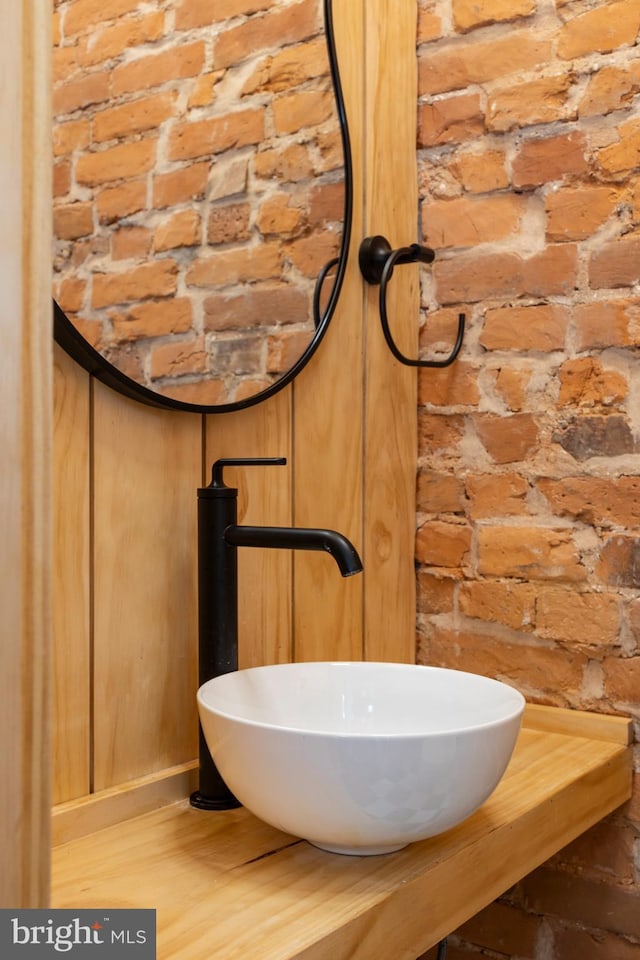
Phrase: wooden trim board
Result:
[579,723]
[25,441]
[78,818]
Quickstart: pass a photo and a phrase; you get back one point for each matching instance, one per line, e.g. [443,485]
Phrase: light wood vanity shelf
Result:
[228,887]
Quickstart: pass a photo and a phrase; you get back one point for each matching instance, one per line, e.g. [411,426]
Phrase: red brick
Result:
[205,89]
[443,544]
[81,92]
[153,319]
[497,495]
[429,25]
[285,349]
[256,301]
[465,222]
[172,64]
[512,385]
[619,159]
[70,136]
[289,163]
[542,161]
[237,265]
[619,563]
[111,41]
[130,243]
[474,276]
[180,186]
[203,137]
[277,216]
[61,178]
[609,89]
[179,358]
[511,604]
[599,501]
[609,26]
[535,553]
[114,203]
[615,264]
[575,213]
[158,279]
[584,382]
[541,328]
[456,385]
[604,851]
[298,110]
[543,100]
[289,68]
[573,943]
[459,66]
[438,333]
[276,28]
[482,171]
[200,13]
[504,929]
[439,431]
[549,671]
[229,223]
[309,253]
[581,618]
[595,436]
[70,294]
[507,439]
[122,162]
[450,120]
[180,230]
[132,117]
[435,593]
[603,324]
[622,680]
[208,392]
[593,904]
[84,14]
[72,220]
[439,492]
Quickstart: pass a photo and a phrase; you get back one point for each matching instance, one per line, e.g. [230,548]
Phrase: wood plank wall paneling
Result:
[265,497]
[328,426]
[390,388]
[71,726]
[347,428]
[147,467]
[25,441]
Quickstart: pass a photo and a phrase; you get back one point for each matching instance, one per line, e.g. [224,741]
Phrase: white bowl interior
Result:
[383,699]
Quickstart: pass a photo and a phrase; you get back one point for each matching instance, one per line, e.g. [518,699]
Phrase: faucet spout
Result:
[298,538]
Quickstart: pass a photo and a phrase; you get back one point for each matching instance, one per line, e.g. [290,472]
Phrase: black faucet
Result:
[219,536]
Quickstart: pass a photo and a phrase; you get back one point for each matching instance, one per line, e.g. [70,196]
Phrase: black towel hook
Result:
[377,262]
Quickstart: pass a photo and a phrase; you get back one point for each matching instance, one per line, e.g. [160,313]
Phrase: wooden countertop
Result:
[227,886]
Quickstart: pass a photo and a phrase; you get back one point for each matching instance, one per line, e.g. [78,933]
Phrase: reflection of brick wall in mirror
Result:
[198,186]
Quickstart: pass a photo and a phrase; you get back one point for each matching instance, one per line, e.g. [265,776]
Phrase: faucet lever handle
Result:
[218,466]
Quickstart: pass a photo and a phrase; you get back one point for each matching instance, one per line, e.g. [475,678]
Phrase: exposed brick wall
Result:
[528,542]
[198,169]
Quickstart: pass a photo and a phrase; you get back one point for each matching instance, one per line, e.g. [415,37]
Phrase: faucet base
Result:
[202,802]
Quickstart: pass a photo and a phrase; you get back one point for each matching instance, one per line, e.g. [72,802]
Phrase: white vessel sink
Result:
[360,758]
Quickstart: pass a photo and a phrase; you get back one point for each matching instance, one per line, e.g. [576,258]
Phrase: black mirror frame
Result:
[73,343]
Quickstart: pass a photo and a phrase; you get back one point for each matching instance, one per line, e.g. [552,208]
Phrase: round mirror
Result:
[203,189]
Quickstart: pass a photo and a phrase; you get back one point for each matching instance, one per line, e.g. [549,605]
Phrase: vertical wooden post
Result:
[25,442]
[390,389]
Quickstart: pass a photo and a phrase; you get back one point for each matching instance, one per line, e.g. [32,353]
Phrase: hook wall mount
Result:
[377,261]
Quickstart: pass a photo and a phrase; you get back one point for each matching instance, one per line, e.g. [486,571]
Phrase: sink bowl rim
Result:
[508,714]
